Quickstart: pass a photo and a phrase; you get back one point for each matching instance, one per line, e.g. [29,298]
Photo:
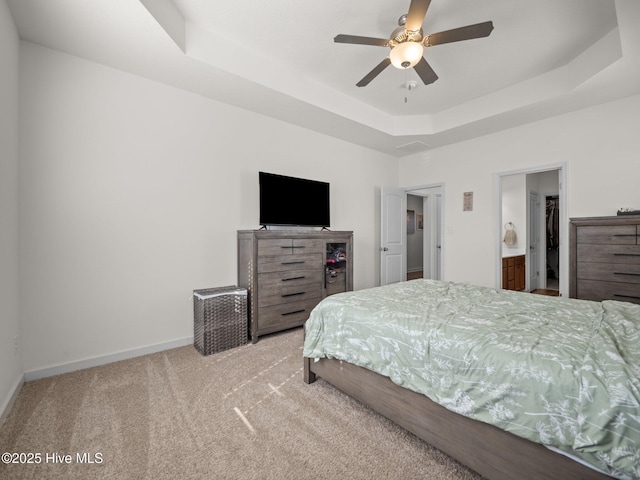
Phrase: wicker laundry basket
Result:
[219,319]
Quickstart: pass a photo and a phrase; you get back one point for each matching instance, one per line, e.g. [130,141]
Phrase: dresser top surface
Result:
[296,233]
[613,220]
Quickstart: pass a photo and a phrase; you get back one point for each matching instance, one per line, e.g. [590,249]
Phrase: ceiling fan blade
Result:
[415,17]
[458,34]
[378,42]
[374,73]
[425,72]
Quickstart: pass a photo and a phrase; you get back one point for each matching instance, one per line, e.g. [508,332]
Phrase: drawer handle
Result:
[291,263]
[298,246]
[626,254]
[292,294]
[626,296]
[293,278]
[293,313]
[625,273]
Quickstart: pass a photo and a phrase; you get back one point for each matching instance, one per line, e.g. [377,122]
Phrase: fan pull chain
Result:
[410,85]
[406,82]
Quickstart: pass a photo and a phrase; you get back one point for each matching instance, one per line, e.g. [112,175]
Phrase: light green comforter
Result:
[561,372]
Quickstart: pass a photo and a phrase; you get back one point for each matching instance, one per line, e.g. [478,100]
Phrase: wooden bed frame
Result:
[494,453]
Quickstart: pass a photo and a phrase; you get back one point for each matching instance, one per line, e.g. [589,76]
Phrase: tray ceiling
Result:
[278,58]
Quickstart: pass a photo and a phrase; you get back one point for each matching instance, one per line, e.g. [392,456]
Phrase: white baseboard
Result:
[104,359]
[11,397]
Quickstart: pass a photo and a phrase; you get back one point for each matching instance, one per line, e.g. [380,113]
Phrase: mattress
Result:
[560,372]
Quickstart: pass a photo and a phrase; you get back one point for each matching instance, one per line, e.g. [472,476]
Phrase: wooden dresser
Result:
[605,258]
[513,273]
[288,272]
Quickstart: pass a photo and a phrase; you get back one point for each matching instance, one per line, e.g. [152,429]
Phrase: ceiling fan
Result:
[407,42]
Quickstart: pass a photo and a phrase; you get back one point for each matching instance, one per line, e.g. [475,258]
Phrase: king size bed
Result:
[510,384]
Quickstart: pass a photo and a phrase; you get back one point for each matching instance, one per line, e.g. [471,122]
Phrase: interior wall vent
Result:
[413,147]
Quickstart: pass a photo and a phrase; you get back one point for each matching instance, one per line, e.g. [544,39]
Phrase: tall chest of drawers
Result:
[286,274]
[605,258]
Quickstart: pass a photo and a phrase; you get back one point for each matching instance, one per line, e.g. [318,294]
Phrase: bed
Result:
[511,384]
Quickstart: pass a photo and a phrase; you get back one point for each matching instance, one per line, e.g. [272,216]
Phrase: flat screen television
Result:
[293,201]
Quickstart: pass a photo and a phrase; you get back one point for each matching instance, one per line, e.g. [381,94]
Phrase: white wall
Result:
[514,211]
[10,361]
[131,195]
[600,146]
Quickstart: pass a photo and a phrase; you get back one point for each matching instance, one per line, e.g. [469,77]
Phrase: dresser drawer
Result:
[609,253]
[610,272]
[599,291]
[291,277]
[289,262]
[288,246]
[274,246]
[275,294]
[286,315]
[612,235]
[306,245]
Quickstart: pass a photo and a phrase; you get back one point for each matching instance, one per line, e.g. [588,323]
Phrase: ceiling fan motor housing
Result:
[401,35]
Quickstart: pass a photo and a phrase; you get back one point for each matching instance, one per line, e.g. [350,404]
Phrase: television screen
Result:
[293,201]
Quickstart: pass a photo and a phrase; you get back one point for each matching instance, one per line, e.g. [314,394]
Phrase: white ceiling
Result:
[278,58]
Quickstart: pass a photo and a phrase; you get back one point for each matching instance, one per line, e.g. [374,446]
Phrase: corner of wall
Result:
[5,406]
[11,365]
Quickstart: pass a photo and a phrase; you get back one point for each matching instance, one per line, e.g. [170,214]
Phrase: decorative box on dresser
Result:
[605,258]
[288,272]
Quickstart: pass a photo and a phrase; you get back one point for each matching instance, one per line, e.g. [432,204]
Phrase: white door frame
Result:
[532,282]
[438,270]
[430,192]
[564,224]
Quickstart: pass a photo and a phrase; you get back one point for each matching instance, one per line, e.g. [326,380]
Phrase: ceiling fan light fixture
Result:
[407,43]
[406,54]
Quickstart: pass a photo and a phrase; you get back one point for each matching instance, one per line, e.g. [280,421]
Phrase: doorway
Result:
[411,235]
[426,263]
[534,201]
[552,237]
[415,237]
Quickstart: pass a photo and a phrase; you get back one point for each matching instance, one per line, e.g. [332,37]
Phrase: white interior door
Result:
[393,238]
[534,240]
[438,232]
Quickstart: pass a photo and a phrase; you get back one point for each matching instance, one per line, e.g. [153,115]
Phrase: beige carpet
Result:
[240,414]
